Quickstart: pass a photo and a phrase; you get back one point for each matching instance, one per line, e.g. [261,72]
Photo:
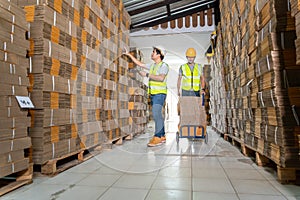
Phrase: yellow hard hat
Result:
[190,52]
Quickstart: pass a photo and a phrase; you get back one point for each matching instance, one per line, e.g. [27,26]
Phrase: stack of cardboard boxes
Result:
[217,103]
[138,97]
[14,139]
[77,77]
[294,90]
[260,73]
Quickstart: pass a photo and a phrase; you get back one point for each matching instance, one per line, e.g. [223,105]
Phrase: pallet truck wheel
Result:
[177,136]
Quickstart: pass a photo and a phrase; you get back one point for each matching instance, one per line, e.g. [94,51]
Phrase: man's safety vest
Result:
[191,80]
[157,87]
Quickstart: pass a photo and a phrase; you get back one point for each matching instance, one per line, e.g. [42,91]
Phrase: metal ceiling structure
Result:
[148,13]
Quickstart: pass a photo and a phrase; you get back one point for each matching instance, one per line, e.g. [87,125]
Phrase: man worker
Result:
[157,89]
[191,79]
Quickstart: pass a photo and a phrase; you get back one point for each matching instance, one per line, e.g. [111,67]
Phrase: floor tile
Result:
[144,170]
[293,197]
[169,194]
[237,165]
[200,172]
[40,192]
[206,163]
[82,192]
[254,187]
[67,178]
[212,185]
[99,180]
[85,167]
[268,173]
[287,190]
[264,197]
[168,183]
[108,170]
[245,174]
[223,159]
[150,160]
[123,193]
[179,172]
[181,161]
[135,181]
[214,196]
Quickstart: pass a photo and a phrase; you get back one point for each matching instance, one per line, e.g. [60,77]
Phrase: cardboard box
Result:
[14,145]
[191,111]
[11,168]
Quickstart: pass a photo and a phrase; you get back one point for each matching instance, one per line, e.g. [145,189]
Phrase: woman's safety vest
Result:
[191,80]
[157,87]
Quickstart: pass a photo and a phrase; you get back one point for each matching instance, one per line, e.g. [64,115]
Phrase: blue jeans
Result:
[157,102]
[190,93]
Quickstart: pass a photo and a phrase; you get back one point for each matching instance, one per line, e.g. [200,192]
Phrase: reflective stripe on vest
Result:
[191,80]
[157,87]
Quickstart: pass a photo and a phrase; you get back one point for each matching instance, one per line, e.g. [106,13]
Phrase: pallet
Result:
[57,165]
[118,141]
[247,150]
[288,175]
[284,175]
[16,180]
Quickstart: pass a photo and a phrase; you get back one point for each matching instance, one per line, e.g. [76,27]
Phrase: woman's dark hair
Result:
[159,52]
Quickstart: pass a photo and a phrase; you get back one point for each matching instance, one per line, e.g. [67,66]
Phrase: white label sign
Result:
[24,102]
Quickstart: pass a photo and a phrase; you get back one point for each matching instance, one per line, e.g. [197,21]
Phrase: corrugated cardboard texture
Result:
[191,111]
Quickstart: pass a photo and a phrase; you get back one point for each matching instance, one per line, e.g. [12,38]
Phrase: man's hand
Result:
[125,51]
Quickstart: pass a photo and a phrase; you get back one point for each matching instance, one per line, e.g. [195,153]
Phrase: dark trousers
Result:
[190,93]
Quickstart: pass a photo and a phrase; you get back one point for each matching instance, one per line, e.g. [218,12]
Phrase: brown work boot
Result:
[163,139]
[155,141]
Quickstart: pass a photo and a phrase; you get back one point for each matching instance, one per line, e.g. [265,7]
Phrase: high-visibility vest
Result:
[191,80]
[157,87]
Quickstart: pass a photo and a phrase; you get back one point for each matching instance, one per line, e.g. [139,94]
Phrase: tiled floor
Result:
[185,171]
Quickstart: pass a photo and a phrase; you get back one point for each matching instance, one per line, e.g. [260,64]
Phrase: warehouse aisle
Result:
[189,170]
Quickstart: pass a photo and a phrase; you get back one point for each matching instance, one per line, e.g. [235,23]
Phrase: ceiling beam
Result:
[168,10]
[163,18]
[152,6]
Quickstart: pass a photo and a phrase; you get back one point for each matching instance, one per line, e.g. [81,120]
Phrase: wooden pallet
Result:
[288,175]
[118,141]
[57,165]
[284,175]
[16,180]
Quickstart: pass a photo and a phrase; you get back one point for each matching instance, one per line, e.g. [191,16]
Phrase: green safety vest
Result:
[191,80]
[157,87]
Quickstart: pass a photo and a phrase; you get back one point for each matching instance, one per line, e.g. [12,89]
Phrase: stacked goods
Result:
[295,11]
[192,117]
[138,98]
[14,140]
[133,72]
[123,98]
[115,83]
[261,78]
[207,76]
[217,104]
[294,91]
[57,48]
[88,84]
[75,73]
[137,107]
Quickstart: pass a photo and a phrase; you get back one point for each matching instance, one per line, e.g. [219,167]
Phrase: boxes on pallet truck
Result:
[192,113]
